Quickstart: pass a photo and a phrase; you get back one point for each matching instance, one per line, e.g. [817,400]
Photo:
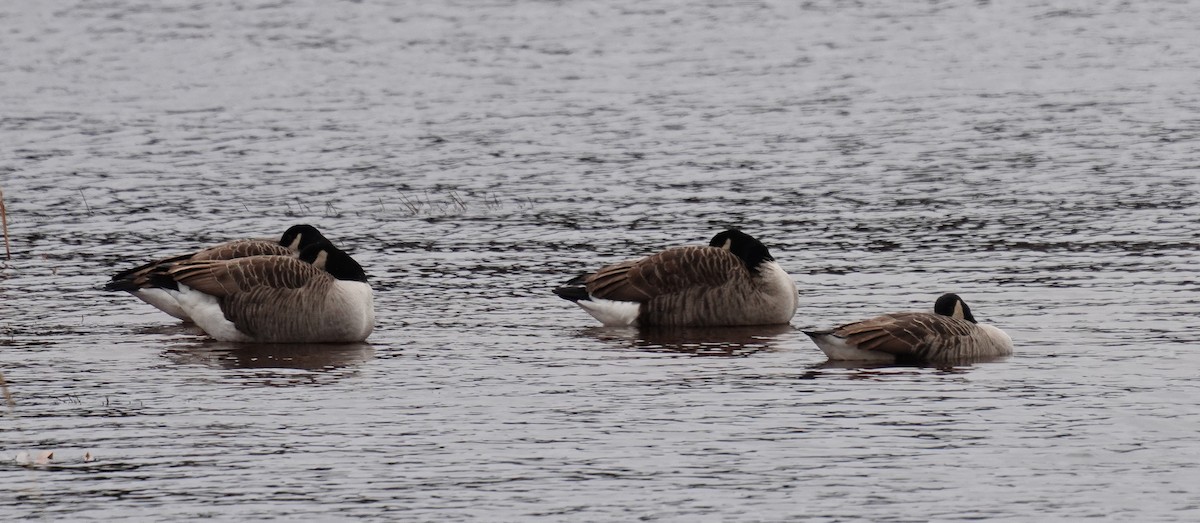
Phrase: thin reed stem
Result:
[85,203]
[4,220]
[8,399]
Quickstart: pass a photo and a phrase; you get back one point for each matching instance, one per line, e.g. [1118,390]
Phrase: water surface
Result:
[1037,158]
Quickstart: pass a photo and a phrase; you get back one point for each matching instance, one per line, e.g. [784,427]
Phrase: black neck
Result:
[334,261]
[951,305]
[751,251]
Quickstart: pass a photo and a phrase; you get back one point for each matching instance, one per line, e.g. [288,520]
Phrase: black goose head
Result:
[752,252]
[297,237]
[323,255]
[951,305]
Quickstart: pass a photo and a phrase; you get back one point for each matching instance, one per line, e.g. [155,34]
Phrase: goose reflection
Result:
[301,356]
[171,329]
[700,341]
[865,370]
[951,366]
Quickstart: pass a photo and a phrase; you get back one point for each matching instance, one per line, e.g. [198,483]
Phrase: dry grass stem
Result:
[8,399]
[85,203]
[4,221]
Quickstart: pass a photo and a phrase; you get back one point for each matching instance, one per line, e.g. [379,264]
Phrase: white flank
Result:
[348,315]
[163,301]
[780,285]
[1000,339]
[205,311]
[612,313]
[356,312]
[837,349]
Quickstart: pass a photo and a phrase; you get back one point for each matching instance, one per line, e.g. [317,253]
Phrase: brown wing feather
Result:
[905,333]
[225,251]
[612,283]
[242,249]
[142,270]
[250,290]
[257,312]
[667,272]
[222,278]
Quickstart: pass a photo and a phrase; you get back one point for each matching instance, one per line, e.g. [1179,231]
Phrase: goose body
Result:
[134,281]
[949,333]
[733,281]
[320,297]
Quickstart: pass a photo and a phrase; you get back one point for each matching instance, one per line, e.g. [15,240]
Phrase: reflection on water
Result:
[709,341]
[170,328]
[851,370]
[310,356]
[943,366]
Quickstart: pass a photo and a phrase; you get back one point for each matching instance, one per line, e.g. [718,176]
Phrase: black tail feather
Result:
[130,274]
[121,286]
[155,277]
[575,289]
[572,292]
[161,280]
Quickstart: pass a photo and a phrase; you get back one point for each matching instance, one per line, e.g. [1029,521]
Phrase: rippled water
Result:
[1039,158]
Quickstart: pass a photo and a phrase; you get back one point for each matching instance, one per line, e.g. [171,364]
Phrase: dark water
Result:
[1038,158]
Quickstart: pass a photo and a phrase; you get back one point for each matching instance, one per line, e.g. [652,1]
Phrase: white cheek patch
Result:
[728,244]
[958,312]
[322,258]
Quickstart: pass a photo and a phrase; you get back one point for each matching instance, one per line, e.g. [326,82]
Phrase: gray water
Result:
[1038,158]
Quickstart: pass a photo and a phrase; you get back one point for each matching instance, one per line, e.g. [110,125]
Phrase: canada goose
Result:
[733,281]
[320,297]
[949,333]
[133,280]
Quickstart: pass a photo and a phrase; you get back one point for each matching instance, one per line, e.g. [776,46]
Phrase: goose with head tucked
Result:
[320,297]
[948,334]
[135,280]
[733,281]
